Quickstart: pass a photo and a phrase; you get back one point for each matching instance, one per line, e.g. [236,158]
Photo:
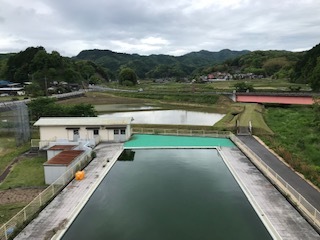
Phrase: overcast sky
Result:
[146,27]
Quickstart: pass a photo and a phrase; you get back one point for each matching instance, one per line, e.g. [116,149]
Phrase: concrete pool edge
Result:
[86,198]
[262,216]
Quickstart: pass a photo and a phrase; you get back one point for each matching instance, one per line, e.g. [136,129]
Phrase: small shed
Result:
[61,163]
[56,149]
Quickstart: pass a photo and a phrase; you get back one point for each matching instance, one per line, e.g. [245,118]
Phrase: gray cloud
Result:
[159,26]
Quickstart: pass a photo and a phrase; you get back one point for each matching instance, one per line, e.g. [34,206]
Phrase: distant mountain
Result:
[157,66]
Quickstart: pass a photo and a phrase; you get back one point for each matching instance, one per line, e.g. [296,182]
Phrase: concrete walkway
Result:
[278,215]
[311,194]
[60,213]
[283,221]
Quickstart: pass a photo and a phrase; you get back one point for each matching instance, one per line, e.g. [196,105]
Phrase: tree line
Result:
[96,66]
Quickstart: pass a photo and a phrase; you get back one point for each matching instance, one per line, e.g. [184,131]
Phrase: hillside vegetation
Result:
[296,138]
[35,64]
[158,66]
[307,69]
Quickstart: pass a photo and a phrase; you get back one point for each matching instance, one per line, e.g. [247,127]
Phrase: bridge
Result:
[302,98]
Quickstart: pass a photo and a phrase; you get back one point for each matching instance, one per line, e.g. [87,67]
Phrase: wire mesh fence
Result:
[14,122]
[181,132]
[22,218]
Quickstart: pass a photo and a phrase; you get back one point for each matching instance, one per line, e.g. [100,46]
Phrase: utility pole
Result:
[46,85]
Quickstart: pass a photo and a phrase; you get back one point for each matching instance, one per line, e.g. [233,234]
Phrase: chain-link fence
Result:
[22,218]
[14,122]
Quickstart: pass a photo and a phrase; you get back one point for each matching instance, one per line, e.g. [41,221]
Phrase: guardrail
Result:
[306,208]
[22,218]
[182,132]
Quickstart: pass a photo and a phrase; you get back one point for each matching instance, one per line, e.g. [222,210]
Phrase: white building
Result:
[69,140]
[83,129]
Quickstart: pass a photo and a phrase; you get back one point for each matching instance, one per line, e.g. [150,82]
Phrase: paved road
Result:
[310,193]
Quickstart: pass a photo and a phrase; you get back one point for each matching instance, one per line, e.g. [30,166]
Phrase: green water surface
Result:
[168,194]
[154,141]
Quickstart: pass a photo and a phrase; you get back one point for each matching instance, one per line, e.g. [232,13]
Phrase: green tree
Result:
[47,107]
[315,77]
[127,74]
[82,110]
[34,90]
[243,87]
[44,107]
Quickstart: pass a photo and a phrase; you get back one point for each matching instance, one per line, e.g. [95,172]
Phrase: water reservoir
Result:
[172,194]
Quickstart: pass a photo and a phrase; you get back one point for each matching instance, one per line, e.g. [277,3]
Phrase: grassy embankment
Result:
[295,140]
[258,84]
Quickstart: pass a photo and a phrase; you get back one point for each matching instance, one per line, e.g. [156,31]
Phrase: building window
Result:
[116,131]
[95,131]
[123,131]
[76,132]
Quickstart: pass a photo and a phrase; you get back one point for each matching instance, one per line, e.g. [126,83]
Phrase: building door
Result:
[119,135]
[76,135]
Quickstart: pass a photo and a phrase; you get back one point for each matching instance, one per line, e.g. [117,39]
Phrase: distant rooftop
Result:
[5,83]
[82,121]
[64,158]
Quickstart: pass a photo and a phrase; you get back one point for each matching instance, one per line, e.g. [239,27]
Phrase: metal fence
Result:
[306,208]
[22,218]
[14,121]
[182,132]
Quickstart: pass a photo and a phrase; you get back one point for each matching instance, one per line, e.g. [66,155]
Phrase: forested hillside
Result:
[35,64]
[158,66]
[307,69]
[276,64]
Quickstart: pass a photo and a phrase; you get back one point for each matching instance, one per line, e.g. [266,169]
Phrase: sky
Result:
[145,27]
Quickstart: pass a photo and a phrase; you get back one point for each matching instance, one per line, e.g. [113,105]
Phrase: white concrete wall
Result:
[49,133]
[128,132]
[52,153]
[53,172]
[63,134]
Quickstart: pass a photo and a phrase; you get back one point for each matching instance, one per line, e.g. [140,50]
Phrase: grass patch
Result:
[228,122]
[27,172]
[173,97]
[296,139]
[101,98]
[9,151]
[9,210]
[253,112]
[243,113]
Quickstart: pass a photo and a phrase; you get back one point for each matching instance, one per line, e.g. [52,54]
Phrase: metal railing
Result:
[181,132]
[22,218]
[306,208]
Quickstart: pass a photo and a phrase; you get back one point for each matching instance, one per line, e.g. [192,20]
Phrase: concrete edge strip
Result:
[175,147]
[263,217]
[86,198]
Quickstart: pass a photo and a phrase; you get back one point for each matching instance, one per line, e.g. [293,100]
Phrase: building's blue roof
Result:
[4,82]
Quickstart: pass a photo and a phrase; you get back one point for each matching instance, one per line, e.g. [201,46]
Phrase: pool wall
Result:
[266,221]
[79,207]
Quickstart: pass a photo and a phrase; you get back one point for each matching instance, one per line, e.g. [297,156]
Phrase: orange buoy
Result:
[79,175]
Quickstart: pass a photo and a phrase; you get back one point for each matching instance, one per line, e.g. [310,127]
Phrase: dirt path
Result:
[18,195]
